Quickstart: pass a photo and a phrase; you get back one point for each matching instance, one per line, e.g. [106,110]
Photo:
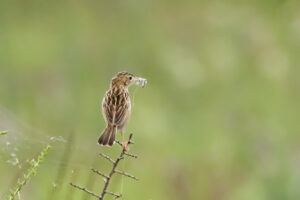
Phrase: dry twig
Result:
[107,178]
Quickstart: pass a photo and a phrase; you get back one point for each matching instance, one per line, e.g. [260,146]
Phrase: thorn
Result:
[107,158]
[100,173]
[131,155]
[113,194]
[130,136]
[85,190]
[126,174]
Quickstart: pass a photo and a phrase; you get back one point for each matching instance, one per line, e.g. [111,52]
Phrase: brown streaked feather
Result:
[116,106]
[108,136]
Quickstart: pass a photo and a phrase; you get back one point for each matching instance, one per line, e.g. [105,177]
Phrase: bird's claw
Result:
[125,145]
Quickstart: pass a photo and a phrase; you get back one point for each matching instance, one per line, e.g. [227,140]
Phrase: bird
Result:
[116,107]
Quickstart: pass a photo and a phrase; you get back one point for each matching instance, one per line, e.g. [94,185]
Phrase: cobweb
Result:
[24,141]
[17,146]
[23,136]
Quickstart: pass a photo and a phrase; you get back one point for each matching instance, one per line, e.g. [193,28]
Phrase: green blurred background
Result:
[219,119]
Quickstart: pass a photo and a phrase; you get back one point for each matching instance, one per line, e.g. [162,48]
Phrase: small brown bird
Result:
[116,107]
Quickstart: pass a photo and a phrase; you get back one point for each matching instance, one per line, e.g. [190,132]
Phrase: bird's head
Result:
[125,79]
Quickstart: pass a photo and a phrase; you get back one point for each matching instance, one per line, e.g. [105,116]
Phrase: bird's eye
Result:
[130,77]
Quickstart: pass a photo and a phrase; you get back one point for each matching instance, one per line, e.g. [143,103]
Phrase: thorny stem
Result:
[85,190]
[113,171]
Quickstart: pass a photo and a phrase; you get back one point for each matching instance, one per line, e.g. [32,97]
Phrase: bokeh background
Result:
[219,119]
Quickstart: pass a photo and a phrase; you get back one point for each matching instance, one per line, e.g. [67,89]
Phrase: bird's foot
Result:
[125,145]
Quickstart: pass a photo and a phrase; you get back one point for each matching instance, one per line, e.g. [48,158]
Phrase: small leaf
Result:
[3,132]
[28,174]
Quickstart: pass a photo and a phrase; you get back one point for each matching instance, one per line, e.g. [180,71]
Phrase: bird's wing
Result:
[108,109]
[122,112]
[115,107]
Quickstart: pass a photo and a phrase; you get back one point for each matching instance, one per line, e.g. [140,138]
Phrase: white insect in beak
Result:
[140,81]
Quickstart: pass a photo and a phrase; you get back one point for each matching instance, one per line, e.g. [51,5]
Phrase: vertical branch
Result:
[61,171]
[68,193]
[90,182]
[113,170]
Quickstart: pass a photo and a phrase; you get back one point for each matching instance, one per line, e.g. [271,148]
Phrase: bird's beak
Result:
[140,81]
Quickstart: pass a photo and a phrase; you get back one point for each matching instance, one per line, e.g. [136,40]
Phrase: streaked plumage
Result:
[116,106]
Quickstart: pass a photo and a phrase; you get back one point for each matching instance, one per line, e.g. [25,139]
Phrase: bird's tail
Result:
[108,136]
